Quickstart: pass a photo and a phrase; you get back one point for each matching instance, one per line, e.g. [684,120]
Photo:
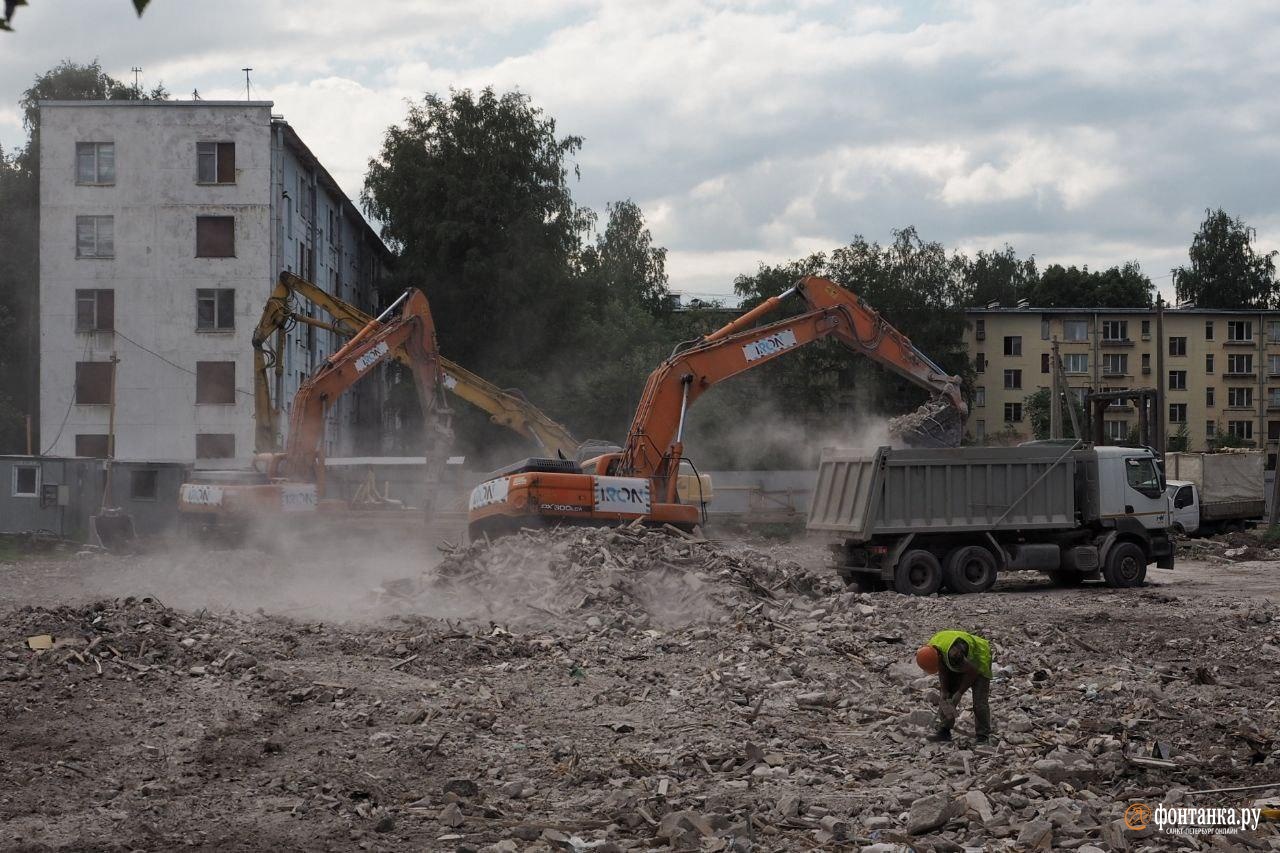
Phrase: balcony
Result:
[1117,342]
[1240,376]
[1110,374]
[1239,342]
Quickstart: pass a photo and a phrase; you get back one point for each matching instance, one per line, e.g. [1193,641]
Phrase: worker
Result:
[961,660]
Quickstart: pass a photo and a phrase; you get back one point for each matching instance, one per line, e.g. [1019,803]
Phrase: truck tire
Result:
[918,573]
[970,568]
[1126,566]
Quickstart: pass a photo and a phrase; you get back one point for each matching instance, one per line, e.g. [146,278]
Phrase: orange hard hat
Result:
[927,658]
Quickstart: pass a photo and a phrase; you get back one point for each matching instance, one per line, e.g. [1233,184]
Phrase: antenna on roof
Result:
[195,95]
[246,82]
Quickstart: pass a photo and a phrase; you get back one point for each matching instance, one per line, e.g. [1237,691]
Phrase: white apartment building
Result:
[163,228]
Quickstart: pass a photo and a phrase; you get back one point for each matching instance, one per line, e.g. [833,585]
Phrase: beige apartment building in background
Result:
[1218,371]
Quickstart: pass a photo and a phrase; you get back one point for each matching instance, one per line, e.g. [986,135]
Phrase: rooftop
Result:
[1135,310]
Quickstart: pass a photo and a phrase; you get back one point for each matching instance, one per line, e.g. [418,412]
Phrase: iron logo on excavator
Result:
[765,347]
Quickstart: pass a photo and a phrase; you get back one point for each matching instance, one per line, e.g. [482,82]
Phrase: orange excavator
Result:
[639,481]
[293,481]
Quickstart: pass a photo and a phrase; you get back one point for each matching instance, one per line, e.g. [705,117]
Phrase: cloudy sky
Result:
[1080,132]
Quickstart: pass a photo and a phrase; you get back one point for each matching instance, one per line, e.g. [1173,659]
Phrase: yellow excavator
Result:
[505,408]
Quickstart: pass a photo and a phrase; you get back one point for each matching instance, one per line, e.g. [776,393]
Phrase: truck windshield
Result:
[1142,476]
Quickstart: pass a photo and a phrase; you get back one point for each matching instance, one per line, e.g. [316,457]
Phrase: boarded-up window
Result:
[93,382]
[215,308]
[215,381]
[95,310]
[95,237]
[92,446]
[215,237]
[216,162]
[143,485]
[215,445]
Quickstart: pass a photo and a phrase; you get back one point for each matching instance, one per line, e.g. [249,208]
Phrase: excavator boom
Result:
[640,481]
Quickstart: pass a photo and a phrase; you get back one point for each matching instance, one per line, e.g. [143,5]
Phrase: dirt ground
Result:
[611,693]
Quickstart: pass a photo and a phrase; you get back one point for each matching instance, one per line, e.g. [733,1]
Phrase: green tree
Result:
[1000,276]
[1224,270]
[473,192]
[625,265]
[1036,407]
[1124,286]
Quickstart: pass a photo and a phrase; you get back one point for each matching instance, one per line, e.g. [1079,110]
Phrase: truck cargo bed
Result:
[861,493]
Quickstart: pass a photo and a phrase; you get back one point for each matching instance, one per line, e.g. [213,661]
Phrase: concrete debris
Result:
[619,689]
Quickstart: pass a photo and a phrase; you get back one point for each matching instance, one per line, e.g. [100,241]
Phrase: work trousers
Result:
[947,711]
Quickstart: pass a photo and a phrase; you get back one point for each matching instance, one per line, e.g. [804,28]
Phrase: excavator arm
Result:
[505,408]
[654,445]
[413,331]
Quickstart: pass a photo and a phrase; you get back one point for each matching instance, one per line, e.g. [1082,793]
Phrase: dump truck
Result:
[1212,492]
[917,521]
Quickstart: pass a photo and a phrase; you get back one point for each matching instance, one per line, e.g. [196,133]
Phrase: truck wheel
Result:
[918,573]
[1066,578]
[970,568]
[1126,566]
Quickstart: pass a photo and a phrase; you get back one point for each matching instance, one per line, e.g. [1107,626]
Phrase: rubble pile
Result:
[778,712]
[634,574]
[1235,547]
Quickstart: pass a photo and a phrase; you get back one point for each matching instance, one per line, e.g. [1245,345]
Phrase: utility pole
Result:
[246,82]
[136,83]
[1158,431]
[1055,394]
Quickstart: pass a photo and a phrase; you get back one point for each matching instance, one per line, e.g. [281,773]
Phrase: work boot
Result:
[940,736]
[982,739]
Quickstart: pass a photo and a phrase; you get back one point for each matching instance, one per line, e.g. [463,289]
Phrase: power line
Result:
[172,364]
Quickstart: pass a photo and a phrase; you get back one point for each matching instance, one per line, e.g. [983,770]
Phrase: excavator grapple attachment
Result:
[935,424]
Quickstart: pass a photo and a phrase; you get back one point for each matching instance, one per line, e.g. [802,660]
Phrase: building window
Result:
[1241,429]
[93,383]
[1013,345]
[1273,331]
[980,329]
[1239,330]
[215,237]
[26,481]
[1273,398]
[1044,362]
[1146,362]
[1177,380]
[1146,330]
[980,395]
[1115,363]
[1240,398]
[1117,431]
[95,237]
[1115,330]
[1013,413]
[980,429]
[1013,379]
[1210,429]
[215,381]
[92,446]
[1075,330]
[1208,330]
[1177,413]
[1208,397]
[95,310]
[1044,330]
[1240,364]
[1208,363]
[95,163]
[980,362]
[215,309]
[144,484]
[1273,430]
[215,445]
[216,162]
[1177,346]
[1273,365]
[1076,362]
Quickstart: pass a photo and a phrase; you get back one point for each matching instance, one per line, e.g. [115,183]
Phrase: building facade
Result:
[1218,371]
[163,228]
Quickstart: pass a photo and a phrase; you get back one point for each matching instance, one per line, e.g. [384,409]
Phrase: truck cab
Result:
[1131,489]
[1185,500]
